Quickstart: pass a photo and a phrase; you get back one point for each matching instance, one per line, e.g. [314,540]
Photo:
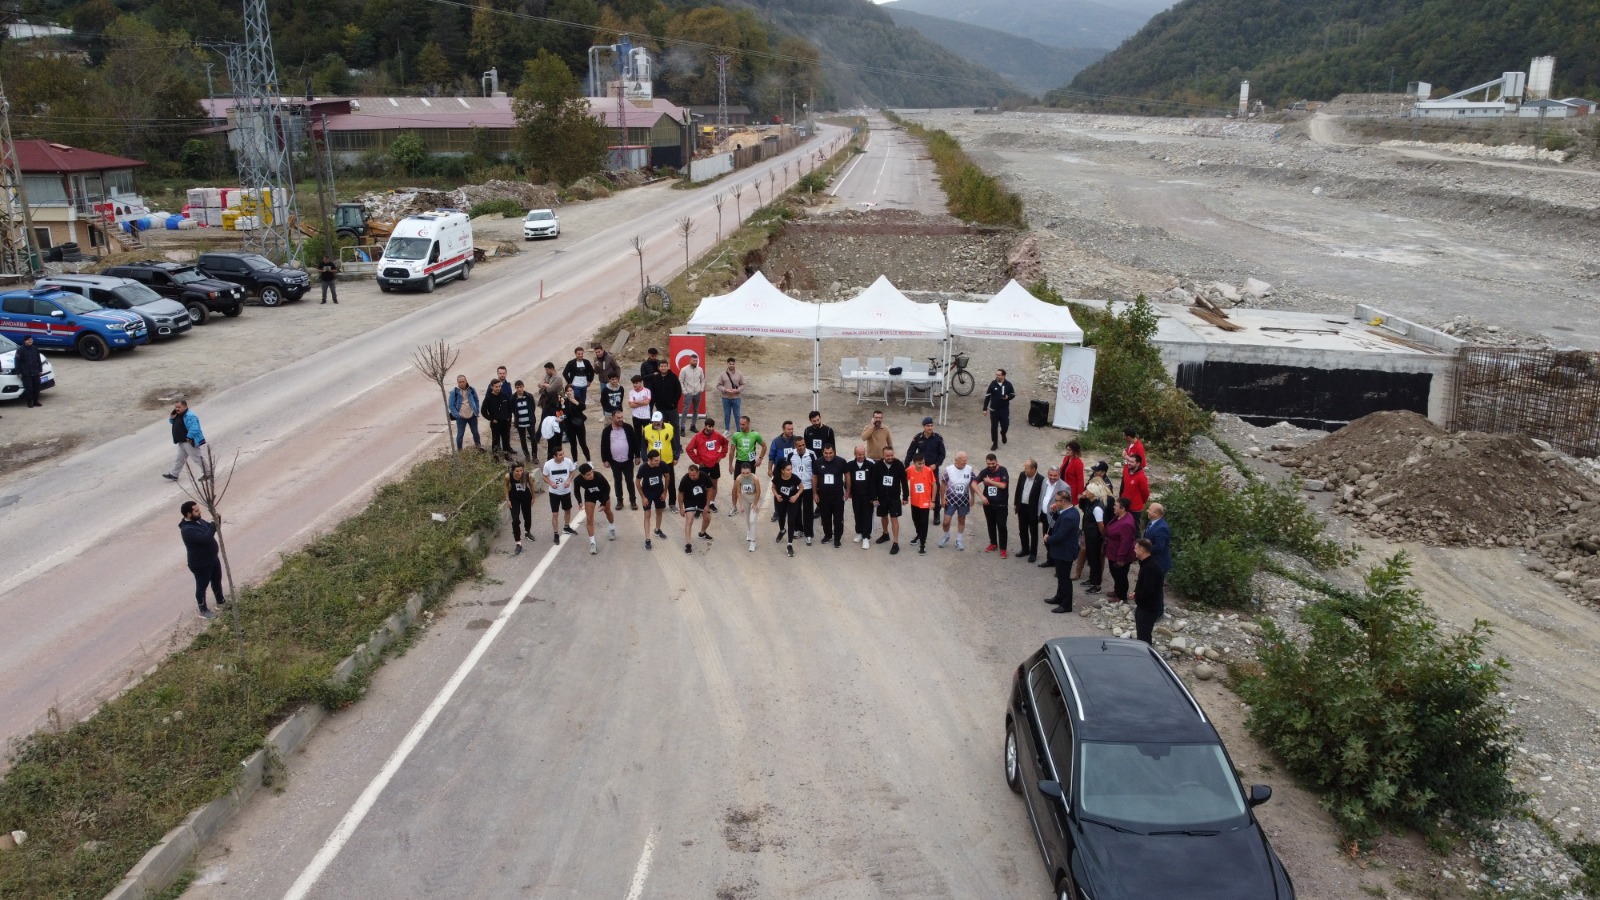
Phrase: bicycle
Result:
[959,379]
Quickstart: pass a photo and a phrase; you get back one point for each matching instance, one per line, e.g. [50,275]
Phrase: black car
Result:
[186,284]
[271,283]
[1131,793]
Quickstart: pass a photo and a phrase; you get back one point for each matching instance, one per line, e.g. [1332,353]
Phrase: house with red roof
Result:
[75,195]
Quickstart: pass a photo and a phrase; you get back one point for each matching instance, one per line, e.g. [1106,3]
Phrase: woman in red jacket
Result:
[1120,537]
[1072,469]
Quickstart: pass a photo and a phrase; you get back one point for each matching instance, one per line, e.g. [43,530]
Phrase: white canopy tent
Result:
[1013,314]
[881,311]
[758,309]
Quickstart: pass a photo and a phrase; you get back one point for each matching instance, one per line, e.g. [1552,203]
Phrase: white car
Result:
[540,223]
[10,382]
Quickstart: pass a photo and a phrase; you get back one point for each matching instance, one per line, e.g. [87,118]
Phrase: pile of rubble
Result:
[1220,293]
[1483,334]
[1400,476]
[530,196]
[407,201]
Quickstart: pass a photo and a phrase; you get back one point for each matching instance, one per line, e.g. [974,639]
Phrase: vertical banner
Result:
[679,348]
[1075,387]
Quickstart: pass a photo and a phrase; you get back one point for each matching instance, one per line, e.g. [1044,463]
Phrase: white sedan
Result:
[540,223]
[10,381]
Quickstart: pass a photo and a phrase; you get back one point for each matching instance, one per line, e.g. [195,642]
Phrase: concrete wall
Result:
[710,167]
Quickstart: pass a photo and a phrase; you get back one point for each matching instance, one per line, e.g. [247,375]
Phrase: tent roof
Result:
[755,309]
[881,311]
[1014,314]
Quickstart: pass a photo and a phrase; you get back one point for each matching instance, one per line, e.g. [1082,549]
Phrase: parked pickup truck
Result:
[187,285]
[262,278]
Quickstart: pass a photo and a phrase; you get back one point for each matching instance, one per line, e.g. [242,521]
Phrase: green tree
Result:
[140,84]
[407,153]
[432,67]
[555,131]
[486,49]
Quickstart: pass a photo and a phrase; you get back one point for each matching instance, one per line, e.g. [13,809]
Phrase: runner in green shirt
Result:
[747,448]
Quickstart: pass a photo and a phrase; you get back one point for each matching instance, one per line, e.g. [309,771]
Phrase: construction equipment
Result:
[351,221]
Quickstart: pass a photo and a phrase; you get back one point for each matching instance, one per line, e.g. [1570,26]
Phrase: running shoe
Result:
[752,546]
[568,529]
[647,544]
[688,548]
[518,551]
[556,538]
[706,536]
[1002,554]
[990,548]
[808,542]
[592,548]
[894,549]
[944,541]
[883,539]
[661,534]
[791,549]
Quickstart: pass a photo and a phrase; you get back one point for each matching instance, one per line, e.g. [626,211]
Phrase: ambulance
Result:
[426,249]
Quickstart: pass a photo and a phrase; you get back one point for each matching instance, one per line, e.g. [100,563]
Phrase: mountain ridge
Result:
[1034,67]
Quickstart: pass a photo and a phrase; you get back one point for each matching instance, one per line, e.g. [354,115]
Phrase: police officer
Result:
[929,445]
[997,406]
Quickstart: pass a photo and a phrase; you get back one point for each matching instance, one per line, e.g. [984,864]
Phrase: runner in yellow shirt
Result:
[658,436]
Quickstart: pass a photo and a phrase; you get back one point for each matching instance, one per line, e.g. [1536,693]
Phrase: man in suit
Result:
[1026,499]
[1160,535]
[1062,546]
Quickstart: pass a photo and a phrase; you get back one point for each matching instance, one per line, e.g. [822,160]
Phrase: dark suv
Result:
[271,283]
[202,296]
[1127,783]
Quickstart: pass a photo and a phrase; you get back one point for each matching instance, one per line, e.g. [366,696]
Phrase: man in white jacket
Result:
[693,380]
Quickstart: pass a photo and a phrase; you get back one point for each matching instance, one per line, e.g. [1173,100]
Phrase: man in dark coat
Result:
[205,560]
[1149,605]
[1061,545]
[30,368]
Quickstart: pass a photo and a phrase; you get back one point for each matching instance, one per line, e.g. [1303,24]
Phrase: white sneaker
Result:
[960,545]
[592,548]
[808,542]
[612,534]
[866,543]
[944,541]
[752,546]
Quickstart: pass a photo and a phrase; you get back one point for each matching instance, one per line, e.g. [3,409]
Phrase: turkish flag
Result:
[679,348]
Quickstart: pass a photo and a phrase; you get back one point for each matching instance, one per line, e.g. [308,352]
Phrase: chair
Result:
[877,373]
[923,385]
[850,370]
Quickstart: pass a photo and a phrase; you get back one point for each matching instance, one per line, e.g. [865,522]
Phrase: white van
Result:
[426,249]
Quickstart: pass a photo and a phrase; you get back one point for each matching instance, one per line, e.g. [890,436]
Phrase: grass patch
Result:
[508,209]
[972,194]
[129,774]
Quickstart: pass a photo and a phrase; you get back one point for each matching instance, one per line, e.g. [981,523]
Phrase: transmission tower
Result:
[265,138]
[16,223]
[722,92]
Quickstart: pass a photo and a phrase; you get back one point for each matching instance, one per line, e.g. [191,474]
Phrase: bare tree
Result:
[738,208]
[717,202]
[436,361]
[207,488]
[759,200]
[638,250]
[772,183]
[686,228]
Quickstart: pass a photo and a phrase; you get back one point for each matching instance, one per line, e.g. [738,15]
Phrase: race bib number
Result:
[920,488]
[992,491]
[747,488]
[861,475]
[711,446]
[816,444]
[655,445]
[827,478]
[888,481]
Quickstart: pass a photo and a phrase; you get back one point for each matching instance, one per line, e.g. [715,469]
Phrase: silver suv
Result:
[163,316]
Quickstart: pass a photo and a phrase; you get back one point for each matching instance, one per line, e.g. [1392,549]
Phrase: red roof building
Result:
[73,193]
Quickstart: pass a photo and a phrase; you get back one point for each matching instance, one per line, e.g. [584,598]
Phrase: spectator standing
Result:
[650,369]
[706,450]
[579,373]
[929,445]
[1149,600]
[1097,509]
[463,410]
[861,485]
[993,484]
[893,491]
[786,491]
[497,409]
[524,416]
[692,491]
[605,365]
[730,387]
[876,436]
[782,448]
[205,560]
[655,480]
[552,389]
[639,402]
[818,436]
[802,462]
[613,396]
[1159,533]
[1134,452]
[575,425]
[958,482]
[329,273]
[997,406]
[558,472]
[1120,536]
[595,494]
[1061,549]
[619,447]
[667,396]
[1072,469]
[30,368]
[553,431]
[1029,495]
[923,484]
[187,435]
[828,493]
[1136,490]
[1053,485]
[692,379]
[519,496]
[658,436]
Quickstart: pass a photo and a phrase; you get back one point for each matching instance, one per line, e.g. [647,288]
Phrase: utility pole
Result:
[17,245]
[622,121]
[722,94]
[265,168]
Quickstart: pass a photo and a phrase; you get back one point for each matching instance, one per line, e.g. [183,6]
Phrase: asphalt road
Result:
[94,589]
[894,173]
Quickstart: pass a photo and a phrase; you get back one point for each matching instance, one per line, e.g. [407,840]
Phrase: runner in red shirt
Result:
[1135,451]
[707,450]
[1072,470]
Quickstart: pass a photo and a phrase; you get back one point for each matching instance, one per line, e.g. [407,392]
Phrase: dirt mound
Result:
[531,196]
[1405,478]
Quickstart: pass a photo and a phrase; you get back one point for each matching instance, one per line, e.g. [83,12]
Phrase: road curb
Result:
[165,863]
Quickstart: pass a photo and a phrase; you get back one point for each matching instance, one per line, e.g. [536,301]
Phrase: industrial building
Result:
[1524,95]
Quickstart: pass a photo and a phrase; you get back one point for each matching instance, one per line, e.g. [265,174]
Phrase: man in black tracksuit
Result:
[861,481]
[997,406]
[205,561]
[829,477]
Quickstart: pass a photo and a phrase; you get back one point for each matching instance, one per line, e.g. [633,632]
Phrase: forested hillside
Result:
[1199,50]
[1059,23]
[1033,66]
[129,78]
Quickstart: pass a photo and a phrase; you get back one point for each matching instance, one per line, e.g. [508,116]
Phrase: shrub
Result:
[971,194]
[1278,516]
[407,153]
[1218,572]
[508,209]
[811,182]
[1393,723]
[1558,141]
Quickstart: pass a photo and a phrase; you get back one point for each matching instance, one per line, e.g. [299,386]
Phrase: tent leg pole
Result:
[816,374]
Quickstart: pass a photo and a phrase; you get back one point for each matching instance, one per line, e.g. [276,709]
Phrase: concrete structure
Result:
[738,114]
[1547,109]
[657,132]
[1458,109]
[1311,370]
[75,194]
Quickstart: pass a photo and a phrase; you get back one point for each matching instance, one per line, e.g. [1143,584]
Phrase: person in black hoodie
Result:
[619,447]
[613,396]
[205,561]
[1148,603]
[525,417]
[497,408]
[665,397]
[573,423]
[30,368]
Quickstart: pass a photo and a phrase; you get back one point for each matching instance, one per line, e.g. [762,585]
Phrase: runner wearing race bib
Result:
[924,493]
[654,479]
[957,488]
[993,483]
[892,493]
[748,446]
[558,472]
[657,436]
[861,480]
[695,493]
[595,493]
[747,490]
[830,476]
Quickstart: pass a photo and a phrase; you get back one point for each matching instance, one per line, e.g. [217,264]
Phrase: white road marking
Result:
[642,870]
[363,805]
[848,169]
